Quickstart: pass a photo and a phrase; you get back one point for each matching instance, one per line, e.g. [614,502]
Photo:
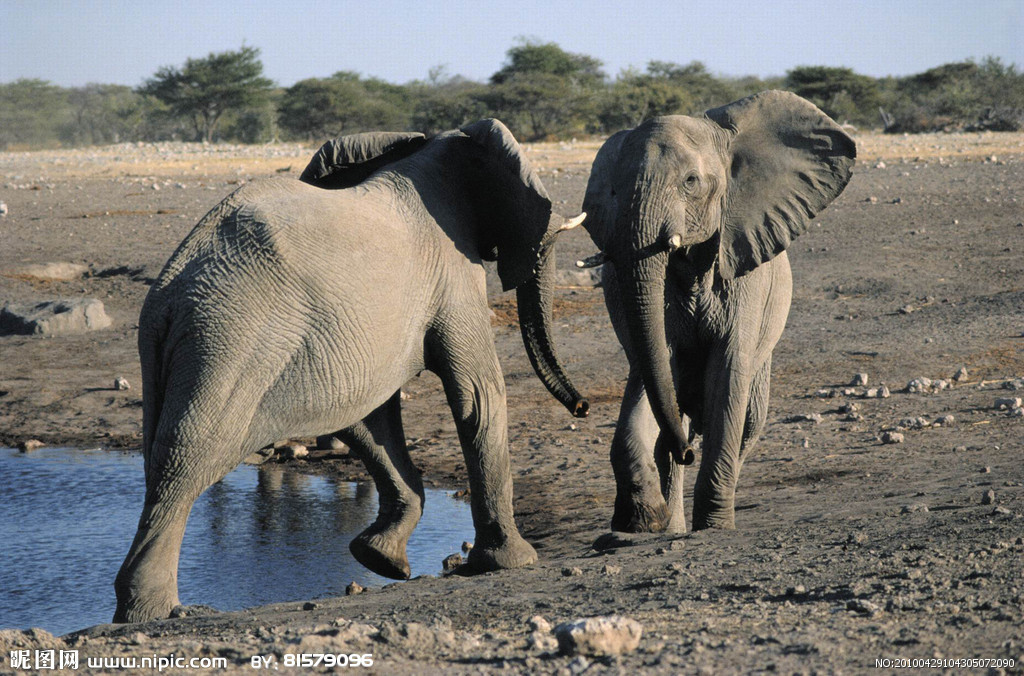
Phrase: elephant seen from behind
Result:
[693,216]
[298,308]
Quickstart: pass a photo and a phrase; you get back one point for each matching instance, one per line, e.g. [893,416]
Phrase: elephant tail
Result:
[154,356]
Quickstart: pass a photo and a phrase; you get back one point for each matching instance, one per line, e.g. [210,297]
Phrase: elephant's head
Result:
[513,220]
[747,177]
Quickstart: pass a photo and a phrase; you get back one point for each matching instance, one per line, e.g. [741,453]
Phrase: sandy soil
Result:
[847,550]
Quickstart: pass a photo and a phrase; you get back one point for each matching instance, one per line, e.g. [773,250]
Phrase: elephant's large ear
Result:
[600,203]
[523,232]
[789,161]
[348,160]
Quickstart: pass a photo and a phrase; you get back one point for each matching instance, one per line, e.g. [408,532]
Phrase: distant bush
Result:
[541,92]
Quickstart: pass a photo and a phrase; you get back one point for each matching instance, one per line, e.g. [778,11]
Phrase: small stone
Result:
[892,438]
[1017,412]
[858,538]
[872,200]
[467,546]
[30,445]
[914,508]
[1007,403]
[794,591]
[573,571]
[919,385]
[3,210]
[310,605]
[863,607]
[914,423]
[825,393]
[859,380]
[451,562]
[907,309]
[291,451]
[538,623]
[986,470]
[121,384]
[959,449]
[988,497]
[1000,510]
[945,421]
[960,375]
[883,392]
[353,588]
[880,165]
[805,417]
[609,569]
[599,636]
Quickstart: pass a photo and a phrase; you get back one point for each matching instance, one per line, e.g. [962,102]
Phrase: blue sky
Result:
[73,42]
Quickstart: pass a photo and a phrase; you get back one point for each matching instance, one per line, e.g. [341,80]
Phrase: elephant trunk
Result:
[535,300]
[642,290]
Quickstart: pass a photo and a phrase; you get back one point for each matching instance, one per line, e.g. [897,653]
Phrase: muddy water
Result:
[261,535]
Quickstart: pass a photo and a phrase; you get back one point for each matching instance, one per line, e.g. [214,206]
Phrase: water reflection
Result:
[259,536]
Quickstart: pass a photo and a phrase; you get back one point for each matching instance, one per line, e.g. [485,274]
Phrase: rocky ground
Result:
[869,527]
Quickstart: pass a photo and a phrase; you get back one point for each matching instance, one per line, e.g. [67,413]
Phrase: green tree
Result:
[703,90]
[544,91]
[446,102]
[839,92]
[635,97]
[344,103]
[31,113]
[535,57]
[205,89]
[100,113]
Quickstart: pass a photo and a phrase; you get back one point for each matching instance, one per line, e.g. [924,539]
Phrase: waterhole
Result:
[261,535]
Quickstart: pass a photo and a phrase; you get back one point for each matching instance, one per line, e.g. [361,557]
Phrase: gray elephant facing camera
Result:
[693,216]
[295,310]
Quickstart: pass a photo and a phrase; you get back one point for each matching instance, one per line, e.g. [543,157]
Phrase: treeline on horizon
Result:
[541,92]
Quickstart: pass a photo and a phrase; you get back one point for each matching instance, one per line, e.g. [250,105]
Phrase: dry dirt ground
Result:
[847,550]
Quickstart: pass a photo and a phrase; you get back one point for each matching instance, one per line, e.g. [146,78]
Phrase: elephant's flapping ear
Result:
[348,160]
[789,161]
[599,202]
[524,228]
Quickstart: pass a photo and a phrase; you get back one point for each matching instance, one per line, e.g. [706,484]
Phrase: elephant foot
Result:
[515,552]
[383,555]
[143,608]
[724,519]
[640,517]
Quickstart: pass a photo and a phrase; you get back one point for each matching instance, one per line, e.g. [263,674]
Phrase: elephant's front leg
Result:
[727,393]
[640,505]
[379,440]
[465,360]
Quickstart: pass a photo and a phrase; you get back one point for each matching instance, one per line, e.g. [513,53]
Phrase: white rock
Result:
[859,380]
[610,635]
[945,421]
[55,317]
[892,438]
[960,375]
[121,384]
[919,385]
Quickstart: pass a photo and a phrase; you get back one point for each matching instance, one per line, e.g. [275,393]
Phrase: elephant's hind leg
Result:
[379,440]
[147,583]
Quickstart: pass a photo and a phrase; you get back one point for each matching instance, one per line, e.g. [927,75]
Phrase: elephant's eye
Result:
[690,182]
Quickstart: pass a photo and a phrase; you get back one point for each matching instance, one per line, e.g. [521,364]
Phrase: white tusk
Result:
[592,261]
[674,242]
[571,223]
